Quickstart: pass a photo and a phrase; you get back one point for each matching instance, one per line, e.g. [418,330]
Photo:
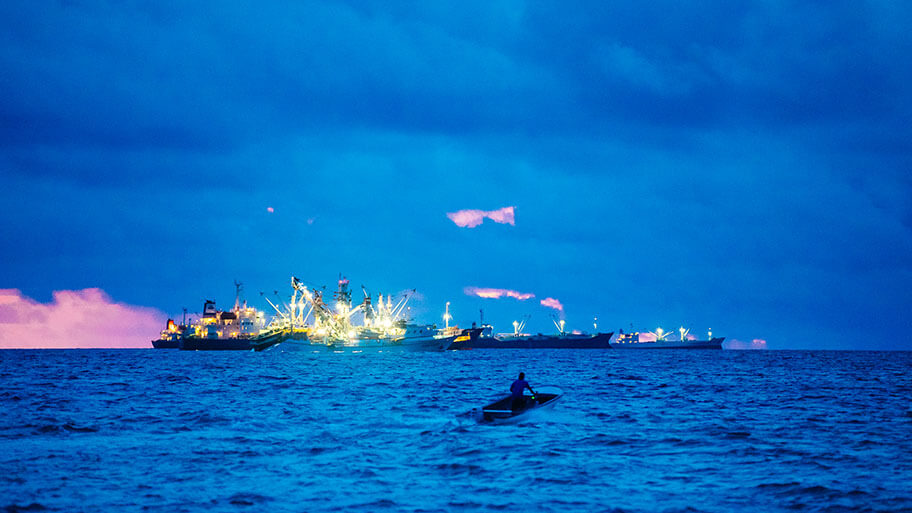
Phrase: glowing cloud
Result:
[270,209]
[488,293]
[473,218]
[75,319]
[550,302]
[757,343]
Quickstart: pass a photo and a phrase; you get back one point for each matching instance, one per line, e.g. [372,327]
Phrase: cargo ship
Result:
[659,339]
[484,338]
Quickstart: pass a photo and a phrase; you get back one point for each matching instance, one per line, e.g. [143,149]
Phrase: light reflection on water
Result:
[635,431]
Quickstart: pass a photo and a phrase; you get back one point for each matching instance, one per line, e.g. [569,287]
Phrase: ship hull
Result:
[713,343]
[290,341]
[416,344]
[298,346]
[474,341]
[166,344]
[231,344]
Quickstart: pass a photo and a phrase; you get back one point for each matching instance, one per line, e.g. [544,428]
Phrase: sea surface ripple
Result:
[677,430]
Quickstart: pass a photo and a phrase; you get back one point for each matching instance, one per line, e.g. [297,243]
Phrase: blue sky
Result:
[736,165]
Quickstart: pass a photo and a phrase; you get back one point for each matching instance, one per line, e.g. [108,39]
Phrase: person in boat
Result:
[517,389]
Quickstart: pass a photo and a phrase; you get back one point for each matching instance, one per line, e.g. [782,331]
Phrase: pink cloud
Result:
[75,319]
[270,209]
[489,293]
[505,215]
[550,302]
[757,343]
[473,218]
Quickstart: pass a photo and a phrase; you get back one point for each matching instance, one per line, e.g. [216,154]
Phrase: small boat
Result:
[502,410]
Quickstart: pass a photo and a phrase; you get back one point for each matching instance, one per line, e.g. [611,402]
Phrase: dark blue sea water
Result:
[163,430]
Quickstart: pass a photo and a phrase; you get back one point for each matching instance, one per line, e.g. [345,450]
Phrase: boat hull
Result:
[259,343]
[502,410]
[416,344]
[713,343]
[471,339]
[166,344]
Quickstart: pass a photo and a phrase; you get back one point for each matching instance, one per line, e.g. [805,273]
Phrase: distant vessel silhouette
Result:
[484,338]
[659,340]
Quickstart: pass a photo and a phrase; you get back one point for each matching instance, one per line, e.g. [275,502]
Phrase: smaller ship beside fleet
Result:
[242,328]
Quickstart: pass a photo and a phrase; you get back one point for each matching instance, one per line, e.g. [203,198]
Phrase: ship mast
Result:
[238,287]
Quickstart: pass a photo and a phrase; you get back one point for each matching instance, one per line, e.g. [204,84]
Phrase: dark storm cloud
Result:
[736,164]
[211,75]
[101,73]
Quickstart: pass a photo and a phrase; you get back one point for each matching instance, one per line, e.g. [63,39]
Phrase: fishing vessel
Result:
[660,339]
[367,327]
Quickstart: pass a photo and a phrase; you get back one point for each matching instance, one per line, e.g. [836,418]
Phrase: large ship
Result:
[242,328]
[484,338]
[660,339]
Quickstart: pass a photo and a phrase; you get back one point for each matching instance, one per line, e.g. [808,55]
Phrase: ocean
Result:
[675,430]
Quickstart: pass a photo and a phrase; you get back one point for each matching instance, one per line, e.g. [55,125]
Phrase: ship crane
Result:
[559,324]
[318,308]
[660,334]
[401,305]
[282,314]
[367,307]
[518,326]
[298,302]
